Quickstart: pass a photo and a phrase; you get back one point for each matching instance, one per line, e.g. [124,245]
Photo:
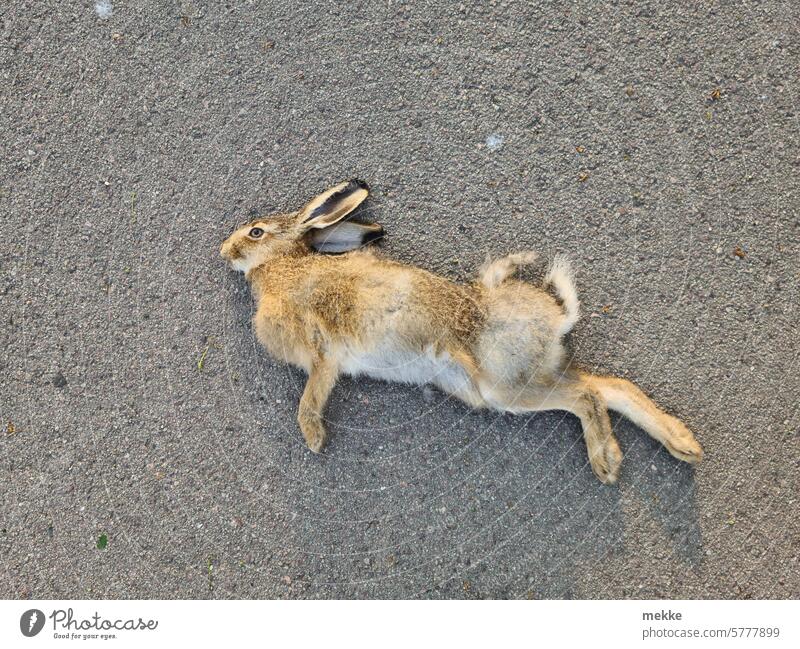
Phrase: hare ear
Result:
[344,236]
[333,205]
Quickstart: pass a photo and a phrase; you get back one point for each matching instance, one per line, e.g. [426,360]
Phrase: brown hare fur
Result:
[495,343]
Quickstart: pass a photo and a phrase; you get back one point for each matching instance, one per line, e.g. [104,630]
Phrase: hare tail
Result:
[560,277]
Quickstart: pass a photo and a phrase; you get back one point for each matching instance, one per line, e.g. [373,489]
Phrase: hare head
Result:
[317,226]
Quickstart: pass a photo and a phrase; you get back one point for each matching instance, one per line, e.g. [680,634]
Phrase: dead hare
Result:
[495,343]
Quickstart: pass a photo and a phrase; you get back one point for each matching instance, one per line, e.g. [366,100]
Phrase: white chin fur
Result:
[242,265]
[246,264]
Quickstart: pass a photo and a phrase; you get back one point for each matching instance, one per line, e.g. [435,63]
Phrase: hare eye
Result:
[255,233]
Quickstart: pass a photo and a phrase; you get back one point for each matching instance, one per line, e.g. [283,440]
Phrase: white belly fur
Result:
[407,367]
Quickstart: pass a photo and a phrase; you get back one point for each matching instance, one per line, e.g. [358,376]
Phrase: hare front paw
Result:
[314,432]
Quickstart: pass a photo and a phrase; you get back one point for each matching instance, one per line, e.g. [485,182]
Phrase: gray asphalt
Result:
[655,145]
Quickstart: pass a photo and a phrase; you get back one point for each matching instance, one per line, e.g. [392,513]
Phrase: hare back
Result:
[358,306]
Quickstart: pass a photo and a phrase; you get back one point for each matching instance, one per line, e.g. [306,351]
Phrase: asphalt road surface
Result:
[149,447]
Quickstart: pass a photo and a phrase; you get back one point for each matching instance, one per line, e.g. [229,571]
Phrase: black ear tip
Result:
[357,183]
[373,235]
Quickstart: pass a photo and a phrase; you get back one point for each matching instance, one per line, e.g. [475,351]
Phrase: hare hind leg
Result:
[627,399]
[589,406]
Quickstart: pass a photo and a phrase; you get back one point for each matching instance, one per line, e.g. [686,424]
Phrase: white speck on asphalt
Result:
[494,142]
[103,9]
